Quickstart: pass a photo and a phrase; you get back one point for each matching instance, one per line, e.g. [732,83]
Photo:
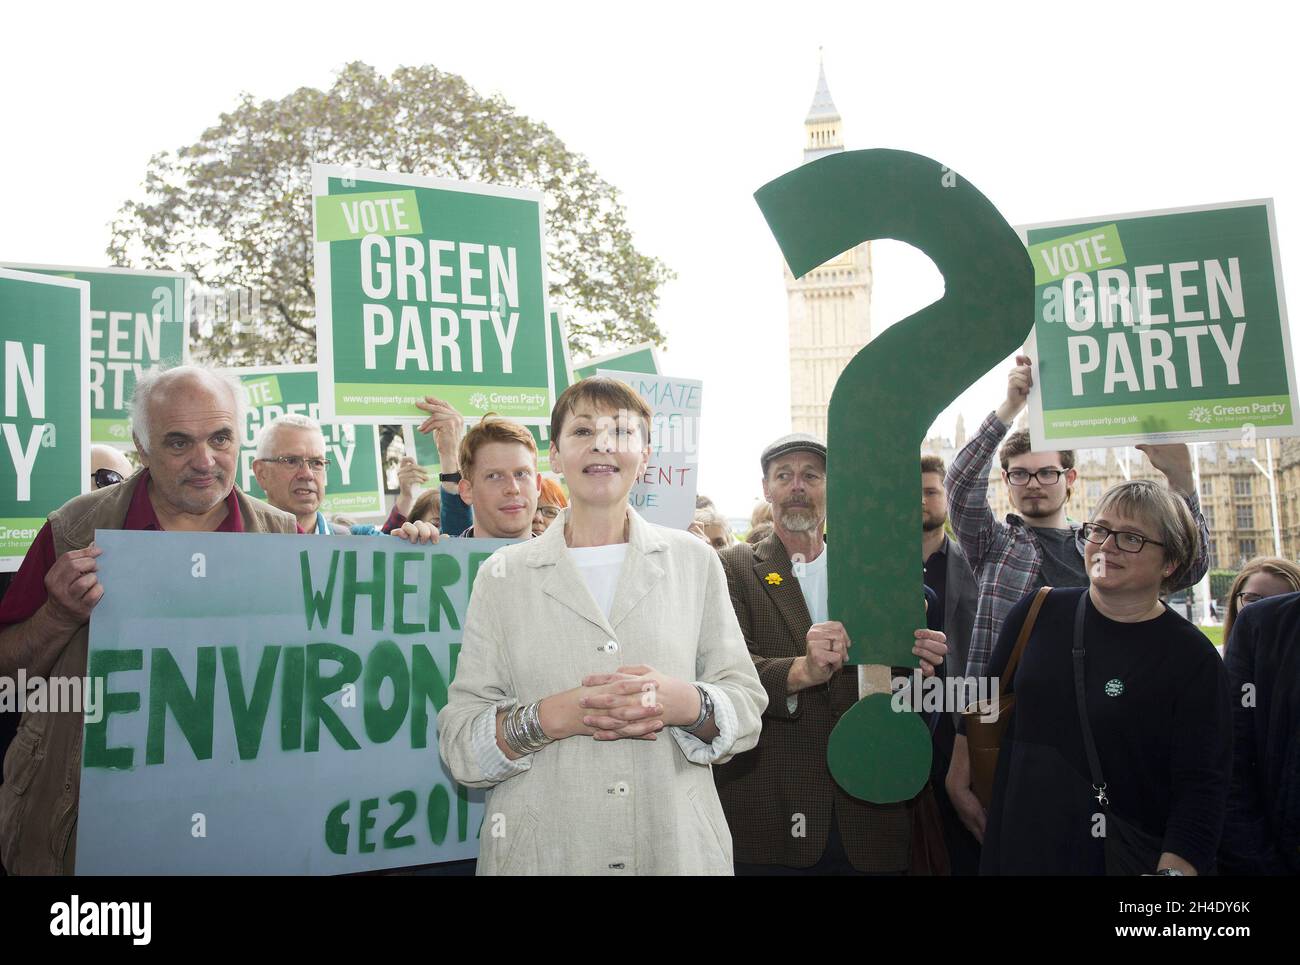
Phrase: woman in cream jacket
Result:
[602,672]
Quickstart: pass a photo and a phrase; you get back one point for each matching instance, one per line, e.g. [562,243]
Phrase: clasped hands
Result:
[633,702]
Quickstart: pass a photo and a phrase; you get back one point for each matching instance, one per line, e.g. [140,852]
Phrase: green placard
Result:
[640,358]
[44,404]
[445,297]
[1162,326]
[138,319]
[353,484]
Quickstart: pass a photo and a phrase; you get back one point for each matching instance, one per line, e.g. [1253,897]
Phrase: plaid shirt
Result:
[1005,556]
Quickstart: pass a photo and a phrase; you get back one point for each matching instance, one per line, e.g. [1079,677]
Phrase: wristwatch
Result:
[1171,873]
[453,477]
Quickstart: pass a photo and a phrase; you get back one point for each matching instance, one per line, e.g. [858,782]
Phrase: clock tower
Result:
[830,307]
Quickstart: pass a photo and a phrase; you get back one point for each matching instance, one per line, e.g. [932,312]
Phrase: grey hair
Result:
[706,516]
[159,377]
[1155,504]
[291,420]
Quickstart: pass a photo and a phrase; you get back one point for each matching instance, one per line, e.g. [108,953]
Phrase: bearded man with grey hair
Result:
[785,811]
[185,424]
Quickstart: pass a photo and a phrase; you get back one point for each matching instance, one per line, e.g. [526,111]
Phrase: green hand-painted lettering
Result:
[402,589]
[438,813]
[385,662]
[103,663]
[291,699]
[249,716]
[315,604]
[318,688]
[444,572]
[407,801]
[192,711]
[373,588]
[336,828]
[427,687]
[367,824]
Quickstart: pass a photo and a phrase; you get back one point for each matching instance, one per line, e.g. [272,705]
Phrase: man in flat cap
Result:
[786,813]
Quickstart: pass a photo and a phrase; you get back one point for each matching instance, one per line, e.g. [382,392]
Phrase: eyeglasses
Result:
[1126,541]
[550,512]
[296,462]
[1045,477]
[1245,596]
[105,477]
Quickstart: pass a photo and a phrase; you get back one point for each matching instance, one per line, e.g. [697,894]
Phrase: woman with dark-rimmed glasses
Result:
[1154,708]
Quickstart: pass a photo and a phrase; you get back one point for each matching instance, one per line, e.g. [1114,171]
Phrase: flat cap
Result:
[794,442]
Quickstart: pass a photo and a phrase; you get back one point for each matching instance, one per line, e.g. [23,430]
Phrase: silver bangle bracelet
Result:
[706,710]
[521,729]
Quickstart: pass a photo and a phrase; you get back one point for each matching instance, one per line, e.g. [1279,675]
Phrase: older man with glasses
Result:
[291,467]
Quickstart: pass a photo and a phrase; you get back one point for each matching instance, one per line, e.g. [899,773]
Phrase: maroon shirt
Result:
[26,594]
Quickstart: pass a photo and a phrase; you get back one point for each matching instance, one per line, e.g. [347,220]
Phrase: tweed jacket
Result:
[580,806]
[784,786]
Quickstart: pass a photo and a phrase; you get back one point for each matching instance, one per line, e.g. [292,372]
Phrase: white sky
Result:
[688,108]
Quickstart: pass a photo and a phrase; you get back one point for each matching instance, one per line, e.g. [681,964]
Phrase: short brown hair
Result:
[427,507]
[1017,444]
[932,464]
[492,428]
[603,393]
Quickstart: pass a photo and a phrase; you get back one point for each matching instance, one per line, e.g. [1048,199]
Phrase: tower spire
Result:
[823,121]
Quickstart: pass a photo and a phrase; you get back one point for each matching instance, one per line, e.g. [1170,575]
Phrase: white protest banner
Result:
[665,493]
[270,704]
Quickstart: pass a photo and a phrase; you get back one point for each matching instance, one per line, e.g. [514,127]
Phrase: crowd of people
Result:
[674,716]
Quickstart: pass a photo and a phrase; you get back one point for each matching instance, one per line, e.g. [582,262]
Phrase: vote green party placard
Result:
[138,320]
[640,358]
[44,423]
[269,704]
[1161,326]
[429,287]
[354,481]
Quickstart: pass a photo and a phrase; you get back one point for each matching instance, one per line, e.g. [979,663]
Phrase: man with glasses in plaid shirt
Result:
[1036,546]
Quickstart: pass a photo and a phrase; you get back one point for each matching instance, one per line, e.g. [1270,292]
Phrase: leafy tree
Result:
[234,209]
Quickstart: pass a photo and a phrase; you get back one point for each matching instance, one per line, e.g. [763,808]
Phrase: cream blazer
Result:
[580,806]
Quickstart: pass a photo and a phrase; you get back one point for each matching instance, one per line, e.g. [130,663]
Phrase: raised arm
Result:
[968,476]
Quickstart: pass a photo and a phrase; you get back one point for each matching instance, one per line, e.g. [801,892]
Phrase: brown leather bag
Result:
[984,737]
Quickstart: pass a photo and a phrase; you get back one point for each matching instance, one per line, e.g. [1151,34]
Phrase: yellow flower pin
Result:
[774,579]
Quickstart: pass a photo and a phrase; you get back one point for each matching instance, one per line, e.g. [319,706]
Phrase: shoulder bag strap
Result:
[1025,630]
[1094,763]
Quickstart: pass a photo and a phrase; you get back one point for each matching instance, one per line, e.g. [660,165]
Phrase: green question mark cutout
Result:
[885,400]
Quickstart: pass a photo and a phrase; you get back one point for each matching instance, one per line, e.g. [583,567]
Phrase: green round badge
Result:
[1114,687]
